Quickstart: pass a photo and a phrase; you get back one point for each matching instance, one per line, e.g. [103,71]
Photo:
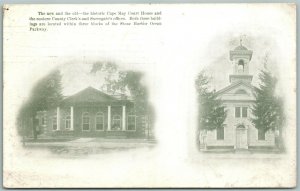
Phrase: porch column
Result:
[108,118]
[124,118]
[72,118]
[58,118]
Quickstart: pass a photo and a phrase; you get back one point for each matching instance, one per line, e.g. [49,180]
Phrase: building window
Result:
[116,125]
[85,122]
[220,133]
[241,112]
[261,134]
[54,123]
[68,122]
[99,121]
[237,111]
[131,122]
[244,112]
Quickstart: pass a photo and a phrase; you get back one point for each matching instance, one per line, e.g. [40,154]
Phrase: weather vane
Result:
[241,39]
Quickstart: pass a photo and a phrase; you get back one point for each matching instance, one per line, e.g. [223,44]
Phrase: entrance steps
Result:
[241,151]
[202,147]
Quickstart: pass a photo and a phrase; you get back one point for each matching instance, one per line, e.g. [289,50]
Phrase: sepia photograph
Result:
[114,116]
[149,95]
[246,115]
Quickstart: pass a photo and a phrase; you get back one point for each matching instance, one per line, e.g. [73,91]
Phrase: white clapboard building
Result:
[237,98]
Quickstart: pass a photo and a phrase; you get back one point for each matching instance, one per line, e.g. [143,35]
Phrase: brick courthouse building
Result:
[92,113]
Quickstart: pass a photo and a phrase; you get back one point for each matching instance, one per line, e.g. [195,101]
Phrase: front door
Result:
[241,138]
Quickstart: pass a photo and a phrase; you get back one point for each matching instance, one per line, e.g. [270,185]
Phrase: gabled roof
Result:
[90,95]
[232,86]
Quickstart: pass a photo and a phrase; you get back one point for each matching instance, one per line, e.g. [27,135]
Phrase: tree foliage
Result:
[268,108]
[46,94]
[122,81]
[211,112]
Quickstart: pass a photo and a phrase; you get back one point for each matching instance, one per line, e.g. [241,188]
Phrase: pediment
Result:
[237,91]
[90,95]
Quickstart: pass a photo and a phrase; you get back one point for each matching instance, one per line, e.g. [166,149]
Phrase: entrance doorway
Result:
[241,137]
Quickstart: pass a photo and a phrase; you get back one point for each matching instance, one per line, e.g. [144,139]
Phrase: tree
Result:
[44,95]
[211,112]
[268,108]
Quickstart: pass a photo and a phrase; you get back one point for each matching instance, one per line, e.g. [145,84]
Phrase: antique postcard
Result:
[149,96]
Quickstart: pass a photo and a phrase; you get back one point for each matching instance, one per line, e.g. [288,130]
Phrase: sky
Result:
[77,76]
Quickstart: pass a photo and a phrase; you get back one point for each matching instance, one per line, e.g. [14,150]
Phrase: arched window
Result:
[99,121]
[85,121]
[43,120]
[68,122]
[54,122]
[241,65]
[116,125]
[241,126]
[131,122]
